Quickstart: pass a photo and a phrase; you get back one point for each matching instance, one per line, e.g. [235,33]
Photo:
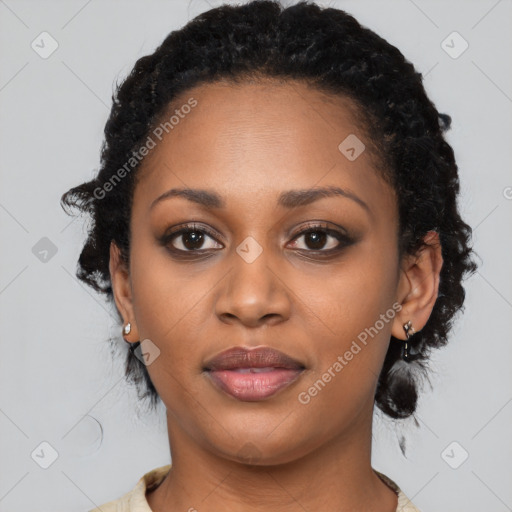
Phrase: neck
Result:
[335,476]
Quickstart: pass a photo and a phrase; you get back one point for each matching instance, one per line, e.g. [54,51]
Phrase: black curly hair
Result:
[324,48]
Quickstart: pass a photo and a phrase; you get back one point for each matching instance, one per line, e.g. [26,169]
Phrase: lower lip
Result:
[251,387]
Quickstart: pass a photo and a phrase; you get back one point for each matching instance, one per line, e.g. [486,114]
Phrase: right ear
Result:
[122,290]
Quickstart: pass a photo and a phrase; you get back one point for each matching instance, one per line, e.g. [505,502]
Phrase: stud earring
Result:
[127,328]
[409,331]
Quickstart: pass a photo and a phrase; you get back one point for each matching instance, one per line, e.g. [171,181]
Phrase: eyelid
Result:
[191,226]
[323,225]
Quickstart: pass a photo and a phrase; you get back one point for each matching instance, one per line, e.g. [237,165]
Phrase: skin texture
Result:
[249,143]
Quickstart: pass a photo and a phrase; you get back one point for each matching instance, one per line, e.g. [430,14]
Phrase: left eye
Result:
[316,239]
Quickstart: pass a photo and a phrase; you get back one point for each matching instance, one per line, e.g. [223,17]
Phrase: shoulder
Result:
[135,500]
[404,503]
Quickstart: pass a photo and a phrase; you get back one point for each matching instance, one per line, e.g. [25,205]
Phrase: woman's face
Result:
[246,274]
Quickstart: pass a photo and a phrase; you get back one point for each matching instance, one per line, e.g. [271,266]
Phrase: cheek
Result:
[351,323]
[166,296]
[166,304]
[355,293]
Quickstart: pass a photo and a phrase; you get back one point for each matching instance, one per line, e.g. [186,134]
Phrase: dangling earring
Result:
[127,328]
[403,376]
[409,331]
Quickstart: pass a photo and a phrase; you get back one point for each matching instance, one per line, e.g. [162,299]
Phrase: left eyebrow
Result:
[295,198]
[289,199]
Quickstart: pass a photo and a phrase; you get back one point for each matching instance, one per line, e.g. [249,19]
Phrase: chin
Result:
[262,450]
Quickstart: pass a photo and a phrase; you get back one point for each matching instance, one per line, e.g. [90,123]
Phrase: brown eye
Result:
[320,239]
[189,239]
[192,239]
[315,239]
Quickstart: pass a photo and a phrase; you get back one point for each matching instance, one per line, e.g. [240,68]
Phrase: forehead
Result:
[257,139]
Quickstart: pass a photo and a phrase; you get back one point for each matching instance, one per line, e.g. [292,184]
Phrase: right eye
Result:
[191,238]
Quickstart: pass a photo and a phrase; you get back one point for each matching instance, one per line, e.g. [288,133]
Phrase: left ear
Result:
[419,285]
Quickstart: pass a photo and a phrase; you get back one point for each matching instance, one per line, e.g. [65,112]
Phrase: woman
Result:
[276,220]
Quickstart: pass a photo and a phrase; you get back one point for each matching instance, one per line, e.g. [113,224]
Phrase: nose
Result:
[254,293]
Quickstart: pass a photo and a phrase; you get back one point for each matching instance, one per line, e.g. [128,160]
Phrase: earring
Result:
[127,328]
[409,331]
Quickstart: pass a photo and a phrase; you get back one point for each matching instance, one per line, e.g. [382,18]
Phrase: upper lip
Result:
[259,357]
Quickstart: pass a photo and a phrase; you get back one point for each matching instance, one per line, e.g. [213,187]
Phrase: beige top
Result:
[135,500]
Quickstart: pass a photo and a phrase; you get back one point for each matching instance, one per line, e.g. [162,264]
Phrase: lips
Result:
[252,374]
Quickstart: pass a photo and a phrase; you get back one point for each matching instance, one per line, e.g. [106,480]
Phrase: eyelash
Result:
[344,240]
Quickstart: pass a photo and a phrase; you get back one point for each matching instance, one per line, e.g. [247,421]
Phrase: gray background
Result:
[59,383]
